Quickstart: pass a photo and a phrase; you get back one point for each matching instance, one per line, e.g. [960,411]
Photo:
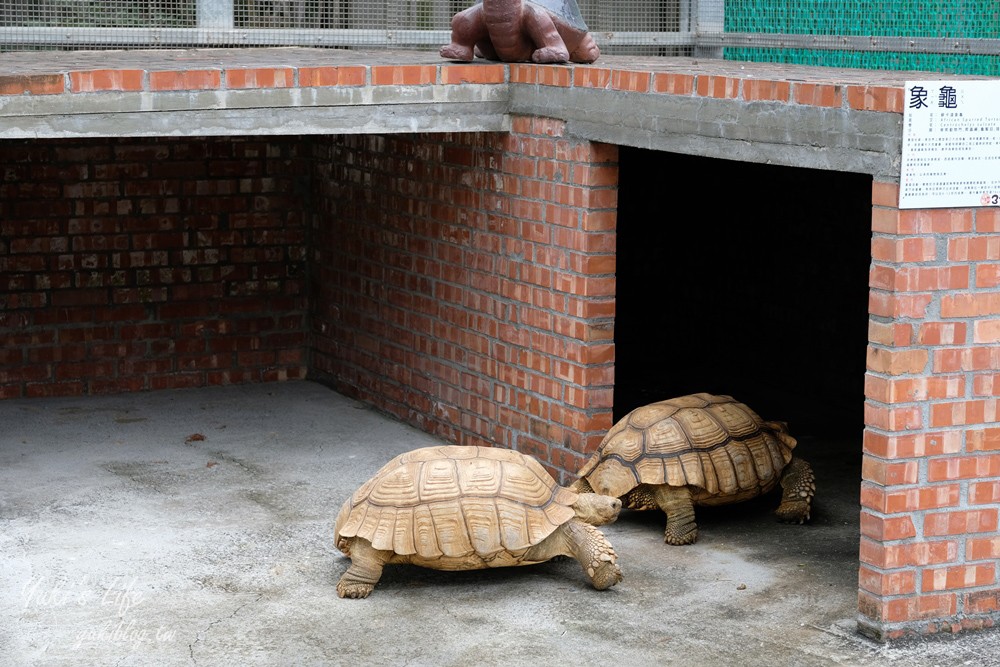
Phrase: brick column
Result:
[465,283]
[930,489]
[562,196]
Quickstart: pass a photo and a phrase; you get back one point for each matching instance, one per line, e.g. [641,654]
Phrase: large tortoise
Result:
[466,508]
[697,450]
[541,31]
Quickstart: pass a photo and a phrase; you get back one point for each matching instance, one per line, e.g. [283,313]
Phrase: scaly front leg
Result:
[798,487]
[595,554]
[587,545]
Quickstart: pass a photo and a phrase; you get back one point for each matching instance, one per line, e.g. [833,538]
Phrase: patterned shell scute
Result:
[453,500]
[711,442]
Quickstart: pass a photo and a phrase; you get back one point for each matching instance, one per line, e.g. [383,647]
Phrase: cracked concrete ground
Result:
[194,527]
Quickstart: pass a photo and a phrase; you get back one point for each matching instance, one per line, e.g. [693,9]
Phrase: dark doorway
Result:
[743,279]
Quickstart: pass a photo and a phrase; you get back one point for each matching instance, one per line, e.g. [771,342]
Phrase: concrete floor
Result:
[125,541]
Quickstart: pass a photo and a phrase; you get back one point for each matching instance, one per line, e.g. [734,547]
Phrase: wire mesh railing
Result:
[649,28]
[959,36]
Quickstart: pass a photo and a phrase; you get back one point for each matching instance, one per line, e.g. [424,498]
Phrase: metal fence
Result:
[961,36]
[650,28]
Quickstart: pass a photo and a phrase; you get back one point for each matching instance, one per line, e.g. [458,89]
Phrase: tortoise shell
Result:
[453,501]
[714,443]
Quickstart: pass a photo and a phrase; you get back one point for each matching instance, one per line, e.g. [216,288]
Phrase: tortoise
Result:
[454,507]
[541,31]
[693,450]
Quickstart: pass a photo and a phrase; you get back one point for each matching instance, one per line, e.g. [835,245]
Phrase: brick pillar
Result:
[465,283]
[930,488]
[560,200]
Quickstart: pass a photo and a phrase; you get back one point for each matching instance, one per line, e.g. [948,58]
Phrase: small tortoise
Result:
[467,508]
[541,31]
[697,450]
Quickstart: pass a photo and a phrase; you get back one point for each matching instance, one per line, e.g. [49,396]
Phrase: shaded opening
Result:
[752,280]
[743,279]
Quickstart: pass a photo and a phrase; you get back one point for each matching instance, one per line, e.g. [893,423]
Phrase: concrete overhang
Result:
[845,120]
[220,92]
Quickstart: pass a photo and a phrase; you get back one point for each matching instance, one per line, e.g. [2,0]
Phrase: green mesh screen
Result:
[968,19]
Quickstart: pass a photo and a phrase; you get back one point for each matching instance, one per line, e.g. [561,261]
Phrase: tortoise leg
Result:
[364,572]
[799,485]
[676,503]
[640,498]
[587,545]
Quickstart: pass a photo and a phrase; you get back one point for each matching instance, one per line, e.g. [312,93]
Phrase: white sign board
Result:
[951,144]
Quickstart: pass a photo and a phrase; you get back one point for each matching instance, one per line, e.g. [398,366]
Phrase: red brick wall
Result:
[149,264]
[465,283]
[931,494]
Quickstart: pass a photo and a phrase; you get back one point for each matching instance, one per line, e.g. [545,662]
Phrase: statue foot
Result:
[550,54]
[456,52]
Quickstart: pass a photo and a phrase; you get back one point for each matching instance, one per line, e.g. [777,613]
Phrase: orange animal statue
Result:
[541,31]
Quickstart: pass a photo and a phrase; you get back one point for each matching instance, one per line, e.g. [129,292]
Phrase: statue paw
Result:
[456,52]
[550,54]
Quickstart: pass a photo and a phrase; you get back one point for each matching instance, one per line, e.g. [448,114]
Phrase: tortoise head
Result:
[596,509]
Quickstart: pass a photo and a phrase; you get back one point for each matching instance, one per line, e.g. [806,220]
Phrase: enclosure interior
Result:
[743,279]
[750,280]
